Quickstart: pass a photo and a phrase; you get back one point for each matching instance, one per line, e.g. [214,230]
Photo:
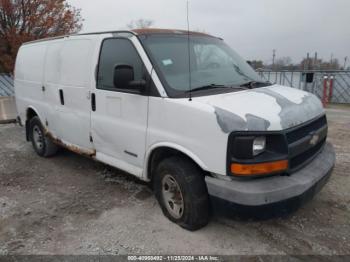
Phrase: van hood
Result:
[271,108]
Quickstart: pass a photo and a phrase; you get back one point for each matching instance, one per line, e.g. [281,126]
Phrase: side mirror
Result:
[123,75]
[124,78]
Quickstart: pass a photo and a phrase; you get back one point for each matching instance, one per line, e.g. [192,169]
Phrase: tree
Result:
[309,63]
[334,64]
[283,63]
[26,20]
[140,24]
[319,64]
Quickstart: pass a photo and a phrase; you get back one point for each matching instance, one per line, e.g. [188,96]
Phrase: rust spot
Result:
[149,31]
[75,149]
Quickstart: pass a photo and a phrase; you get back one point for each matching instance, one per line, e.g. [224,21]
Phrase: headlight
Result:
[259,145]
[256,153]
[248,147]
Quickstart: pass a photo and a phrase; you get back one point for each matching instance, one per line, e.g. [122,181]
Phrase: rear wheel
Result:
[42,144]
[181,192]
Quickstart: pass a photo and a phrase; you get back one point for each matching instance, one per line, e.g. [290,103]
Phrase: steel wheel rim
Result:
[172,196]
[38,137]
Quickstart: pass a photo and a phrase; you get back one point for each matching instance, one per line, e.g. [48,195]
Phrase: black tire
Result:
[44,148]
[190,180]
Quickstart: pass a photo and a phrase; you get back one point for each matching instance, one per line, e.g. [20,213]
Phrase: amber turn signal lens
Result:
[259,169]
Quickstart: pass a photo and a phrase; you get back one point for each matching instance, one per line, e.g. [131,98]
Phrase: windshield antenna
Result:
[189,52]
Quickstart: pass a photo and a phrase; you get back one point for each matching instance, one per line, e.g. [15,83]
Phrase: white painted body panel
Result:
[264,103]
[72,74]
[28,82]
[119,126]
[190,127]
[138,124]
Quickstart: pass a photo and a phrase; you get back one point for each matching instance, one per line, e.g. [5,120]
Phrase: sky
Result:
[252,27]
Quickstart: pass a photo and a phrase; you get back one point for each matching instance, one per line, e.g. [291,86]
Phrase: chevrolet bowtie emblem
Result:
[314,139]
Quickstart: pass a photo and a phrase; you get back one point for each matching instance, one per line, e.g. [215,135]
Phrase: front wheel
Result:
[42,144]
[182,193]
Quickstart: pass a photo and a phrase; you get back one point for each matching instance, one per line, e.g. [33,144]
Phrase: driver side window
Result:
[115,52]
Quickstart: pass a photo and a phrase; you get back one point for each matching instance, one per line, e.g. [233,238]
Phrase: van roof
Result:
[149,31]
[145,31]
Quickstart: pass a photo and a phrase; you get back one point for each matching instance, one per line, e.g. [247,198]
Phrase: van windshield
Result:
[214,65]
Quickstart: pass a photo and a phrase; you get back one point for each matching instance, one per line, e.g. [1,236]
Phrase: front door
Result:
[119,116]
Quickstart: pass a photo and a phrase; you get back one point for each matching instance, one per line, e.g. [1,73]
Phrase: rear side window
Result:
[117,52]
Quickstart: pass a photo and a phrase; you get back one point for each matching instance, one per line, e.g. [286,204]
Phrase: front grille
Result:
[298,133]
[301,142]
[305,157]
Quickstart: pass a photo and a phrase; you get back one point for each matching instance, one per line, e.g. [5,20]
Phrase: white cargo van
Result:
[178,109]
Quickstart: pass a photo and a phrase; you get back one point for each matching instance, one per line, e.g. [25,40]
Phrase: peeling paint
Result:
[229,121]
[257,123]
[293,113]
[269,108]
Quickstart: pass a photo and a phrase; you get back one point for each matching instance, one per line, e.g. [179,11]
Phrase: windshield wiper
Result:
[255,84]
[206,87]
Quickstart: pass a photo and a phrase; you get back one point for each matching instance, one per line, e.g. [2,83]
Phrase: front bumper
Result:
[270,190]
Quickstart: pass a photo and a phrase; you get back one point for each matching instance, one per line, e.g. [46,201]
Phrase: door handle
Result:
[61,96]
[93,102]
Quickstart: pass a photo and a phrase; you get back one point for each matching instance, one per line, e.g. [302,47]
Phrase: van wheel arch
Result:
[161,153]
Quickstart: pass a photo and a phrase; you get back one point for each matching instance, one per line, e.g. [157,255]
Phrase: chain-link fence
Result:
[6,85]
[314,82]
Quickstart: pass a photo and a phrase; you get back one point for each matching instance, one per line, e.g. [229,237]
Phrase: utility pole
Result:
[307,64]
[315,61]
[331,63]
[345,60]
[273,58]
[306,67]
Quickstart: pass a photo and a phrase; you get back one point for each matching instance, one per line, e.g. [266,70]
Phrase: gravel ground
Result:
[72,205]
